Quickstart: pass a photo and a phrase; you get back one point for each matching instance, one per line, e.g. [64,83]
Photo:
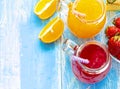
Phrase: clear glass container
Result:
[98,56]
[85,18]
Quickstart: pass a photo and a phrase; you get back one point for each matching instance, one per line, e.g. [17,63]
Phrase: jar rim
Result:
[91,21]
[95,70]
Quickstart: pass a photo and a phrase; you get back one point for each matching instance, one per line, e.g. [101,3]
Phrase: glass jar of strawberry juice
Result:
[96,53]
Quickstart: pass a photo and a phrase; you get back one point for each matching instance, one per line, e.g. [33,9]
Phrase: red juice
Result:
[98,66]
[95,54]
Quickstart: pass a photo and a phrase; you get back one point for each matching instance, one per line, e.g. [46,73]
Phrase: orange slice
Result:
[45,8]
[52,31]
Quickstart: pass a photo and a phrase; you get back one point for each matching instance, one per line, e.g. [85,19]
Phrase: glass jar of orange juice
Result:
[86,18]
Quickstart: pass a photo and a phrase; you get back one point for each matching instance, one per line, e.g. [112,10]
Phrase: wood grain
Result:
[27,63]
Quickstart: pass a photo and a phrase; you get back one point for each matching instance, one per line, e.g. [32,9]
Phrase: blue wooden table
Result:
[27,63]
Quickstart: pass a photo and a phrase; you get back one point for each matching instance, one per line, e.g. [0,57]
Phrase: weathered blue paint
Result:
[27,63]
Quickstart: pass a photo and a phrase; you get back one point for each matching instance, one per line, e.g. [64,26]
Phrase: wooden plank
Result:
[9,48]
[27,63]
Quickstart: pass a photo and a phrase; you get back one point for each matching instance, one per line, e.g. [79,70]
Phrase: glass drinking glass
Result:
[96,53]
[86,18]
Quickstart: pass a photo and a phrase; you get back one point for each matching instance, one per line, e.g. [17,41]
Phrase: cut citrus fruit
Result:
[52,31]
[45,8]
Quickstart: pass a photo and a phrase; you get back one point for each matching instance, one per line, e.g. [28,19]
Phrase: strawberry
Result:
[114,45]
[118,56]
[116,22]
[112,31]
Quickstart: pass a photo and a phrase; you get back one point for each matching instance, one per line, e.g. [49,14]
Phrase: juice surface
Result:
[92,8]
[93,22]
[95,54]
[97,57]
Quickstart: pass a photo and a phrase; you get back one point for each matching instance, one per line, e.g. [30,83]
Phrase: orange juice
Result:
[86,18]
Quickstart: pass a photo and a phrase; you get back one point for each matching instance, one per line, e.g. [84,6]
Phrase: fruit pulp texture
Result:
[45,8]
[97,57]
[52,31]
[95,54]
[88,6]
[93,10]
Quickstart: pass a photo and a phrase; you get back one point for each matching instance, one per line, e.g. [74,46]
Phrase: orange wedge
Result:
[45,8]
[52,31]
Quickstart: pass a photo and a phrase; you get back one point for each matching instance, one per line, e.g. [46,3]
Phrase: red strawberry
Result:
[112,31]
[116,22]
[114,45]
[118,56]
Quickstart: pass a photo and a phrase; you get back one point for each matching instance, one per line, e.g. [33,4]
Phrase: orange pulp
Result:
[89,20]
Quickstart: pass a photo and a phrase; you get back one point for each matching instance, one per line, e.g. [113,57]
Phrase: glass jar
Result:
[86,18]
[98,56]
